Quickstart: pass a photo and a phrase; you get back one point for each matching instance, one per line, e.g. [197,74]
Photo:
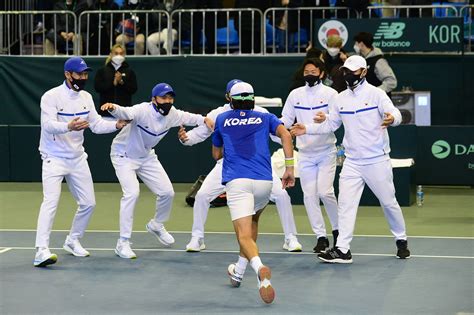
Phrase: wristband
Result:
[289,162]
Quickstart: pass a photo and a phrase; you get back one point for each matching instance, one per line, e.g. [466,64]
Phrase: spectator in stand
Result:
[355,7]
[298,77]
[379,72]
[248,27]
[334,57]
[102,28]
[130,29]
[158,41]
[116,82]
[286,24]
[61,40]
[197,24]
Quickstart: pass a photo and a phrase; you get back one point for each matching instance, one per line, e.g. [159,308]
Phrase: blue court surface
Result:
[437,279]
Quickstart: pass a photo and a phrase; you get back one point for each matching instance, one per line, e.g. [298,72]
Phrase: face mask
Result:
[357,49]
[312,79]
[118,60]
[352,80]
[78,84]
[333,52]
[163,109]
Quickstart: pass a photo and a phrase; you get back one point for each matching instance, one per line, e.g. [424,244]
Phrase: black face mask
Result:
[312,79]
[242,104]
[163,109]
[352,80]
[78,84]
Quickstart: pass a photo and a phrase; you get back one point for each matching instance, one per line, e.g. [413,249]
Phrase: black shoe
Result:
[335,256]
[403,252]
[322,245]
[335,234]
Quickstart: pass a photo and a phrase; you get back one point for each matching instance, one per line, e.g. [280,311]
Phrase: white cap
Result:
[241,87]
[355,62]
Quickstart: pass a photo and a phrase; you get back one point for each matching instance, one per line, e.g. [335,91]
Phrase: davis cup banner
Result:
[395,35]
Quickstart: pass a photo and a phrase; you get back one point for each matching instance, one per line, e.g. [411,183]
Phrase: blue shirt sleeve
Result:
[274,123]
[217,140]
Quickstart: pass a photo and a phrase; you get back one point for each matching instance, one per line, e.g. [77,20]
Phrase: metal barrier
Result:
[411,11]
[247,22]
[202,31]
[21,40]
[110,25]
[277,40]
[466,12]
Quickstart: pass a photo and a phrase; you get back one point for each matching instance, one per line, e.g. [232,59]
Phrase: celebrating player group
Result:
[240,134]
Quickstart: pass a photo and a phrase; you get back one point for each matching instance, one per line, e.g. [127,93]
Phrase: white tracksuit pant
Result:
[212,187]
[317,182]
[151,172]
[78,177]
[379,178]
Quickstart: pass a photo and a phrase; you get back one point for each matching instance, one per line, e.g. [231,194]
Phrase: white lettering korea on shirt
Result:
[246,121]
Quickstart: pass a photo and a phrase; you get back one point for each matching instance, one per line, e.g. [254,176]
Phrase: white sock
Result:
[256,263]
[124,239]
[241,265]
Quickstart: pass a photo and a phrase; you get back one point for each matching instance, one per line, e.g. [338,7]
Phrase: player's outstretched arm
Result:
[288,179]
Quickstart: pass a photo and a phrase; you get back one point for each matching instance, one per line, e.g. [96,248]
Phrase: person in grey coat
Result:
[379,72]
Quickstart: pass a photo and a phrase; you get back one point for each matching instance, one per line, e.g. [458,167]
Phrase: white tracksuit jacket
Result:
[303,103]
[151,127]
[59,106]
[362,112]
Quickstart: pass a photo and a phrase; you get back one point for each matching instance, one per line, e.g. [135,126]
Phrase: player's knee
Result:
[244,237]
[280,195]
[90,205]
[131,195]
[202,197]
[168,194]
[328,194]
[390,204]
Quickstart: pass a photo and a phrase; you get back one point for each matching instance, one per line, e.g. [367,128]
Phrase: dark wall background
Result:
[200,84]
[200,81]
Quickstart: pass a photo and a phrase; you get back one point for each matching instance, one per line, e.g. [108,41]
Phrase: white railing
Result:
[196,42]
[19,35]
[411,11]
[106,26]
[195,32]
[304,17]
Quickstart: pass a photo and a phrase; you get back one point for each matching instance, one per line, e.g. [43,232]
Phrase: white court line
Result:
[5,250]
[235,252]
[262,233]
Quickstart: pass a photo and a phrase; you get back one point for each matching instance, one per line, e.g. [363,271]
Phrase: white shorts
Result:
[247,196]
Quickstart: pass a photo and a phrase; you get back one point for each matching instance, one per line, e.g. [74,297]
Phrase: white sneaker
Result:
[196,244]
[124,250]
[267,293]
[159,231]
[44,257]
[235,278]
[292,245]
[74,247]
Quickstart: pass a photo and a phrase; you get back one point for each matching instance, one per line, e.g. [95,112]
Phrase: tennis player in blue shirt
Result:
[241,137]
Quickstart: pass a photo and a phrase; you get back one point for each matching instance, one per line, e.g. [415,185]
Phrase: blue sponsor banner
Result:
[395,35]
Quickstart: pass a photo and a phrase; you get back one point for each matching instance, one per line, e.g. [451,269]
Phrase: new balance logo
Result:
[388,30]
[246,121]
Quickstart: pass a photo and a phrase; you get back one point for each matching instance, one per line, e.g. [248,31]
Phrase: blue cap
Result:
[76,64]
[231,83]
[161,89]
